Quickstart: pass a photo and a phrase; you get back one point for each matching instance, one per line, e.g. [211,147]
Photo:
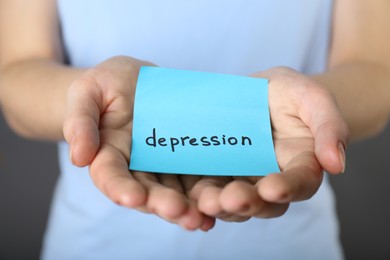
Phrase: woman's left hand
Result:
[309,135]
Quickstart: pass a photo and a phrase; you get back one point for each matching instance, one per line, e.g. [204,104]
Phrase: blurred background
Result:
[28,171]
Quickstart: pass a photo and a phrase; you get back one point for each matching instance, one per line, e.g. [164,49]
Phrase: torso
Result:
[226,36]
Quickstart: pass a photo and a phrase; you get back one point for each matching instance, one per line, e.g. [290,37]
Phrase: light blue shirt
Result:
[226,36]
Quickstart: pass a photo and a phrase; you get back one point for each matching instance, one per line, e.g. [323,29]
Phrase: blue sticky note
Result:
[188,122]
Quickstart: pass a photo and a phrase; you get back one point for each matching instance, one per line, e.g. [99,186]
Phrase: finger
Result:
[206,192]
[208,201]
[81,121]
[188,182]
[299,181]
[193,219]
[208,223]
[330,143]
[109,172]
[170,203]
[163,201]
[210,205]
[331,133]
[242,199]
[239,197]
[202,183]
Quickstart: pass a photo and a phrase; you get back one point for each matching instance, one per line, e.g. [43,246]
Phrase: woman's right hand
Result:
[98,128]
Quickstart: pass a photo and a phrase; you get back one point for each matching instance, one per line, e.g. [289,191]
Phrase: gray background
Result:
[28,171]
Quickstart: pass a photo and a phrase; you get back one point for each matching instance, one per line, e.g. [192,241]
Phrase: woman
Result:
[60,77]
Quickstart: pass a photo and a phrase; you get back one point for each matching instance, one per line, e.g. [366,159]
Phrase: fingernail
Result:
[70,153]
[71,148]
[72,159]
[342,154]
[244,208]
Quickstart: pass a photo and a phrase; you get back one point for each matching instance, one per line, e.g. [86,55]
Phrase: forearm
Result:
[33,97]
[363,94]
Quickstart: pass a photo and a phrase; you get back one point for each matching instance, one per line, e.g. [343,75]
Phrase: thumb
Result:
[81,122]
[331,133]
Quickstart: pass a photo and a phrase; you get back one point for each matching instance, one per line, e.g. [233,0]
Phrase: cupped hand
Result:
[98,126]
[309,135]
